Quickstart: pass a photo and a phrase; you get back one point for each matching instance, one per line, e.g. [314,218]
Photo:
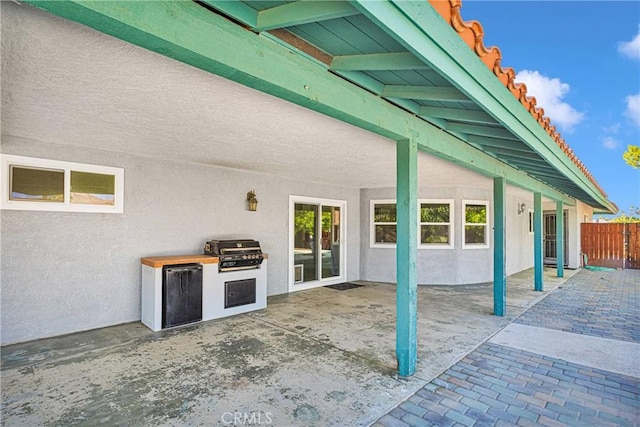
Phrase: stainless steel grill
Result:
[234,255]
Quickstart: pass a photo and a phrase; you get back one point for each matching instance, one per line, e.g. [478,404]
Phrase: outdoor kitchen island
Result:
[224,292]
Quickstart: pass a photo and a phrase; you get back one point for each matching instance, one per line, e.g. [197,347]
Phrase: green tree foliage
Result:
[385,213]
[326,221]
[624,218]
[632,216]
[304,220]
[475,214]
[434,213]
[632,156]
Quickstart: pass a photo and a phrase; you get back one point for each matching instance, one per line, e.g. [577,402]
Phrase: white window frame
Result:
[449,245]
[487,234]
[372,224]
[531,219]
[8,160]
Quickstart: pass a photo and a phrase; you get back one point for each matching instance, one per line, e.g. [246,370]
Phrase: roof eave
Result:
[421,29]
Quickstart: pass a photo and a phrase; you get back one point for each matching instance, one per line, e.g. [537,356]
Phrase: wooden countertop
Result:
[161,261]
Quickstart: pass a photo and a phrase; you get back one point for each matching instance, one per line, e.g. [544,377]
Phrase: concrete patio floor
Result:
[318,357]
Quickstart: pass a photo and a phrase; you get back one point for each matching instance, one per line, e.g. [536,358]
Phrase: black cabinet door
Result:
[181,294]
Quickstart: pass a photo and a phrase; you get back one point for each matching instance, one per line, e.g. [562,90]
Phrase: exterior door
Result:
[550,246]
[317,230]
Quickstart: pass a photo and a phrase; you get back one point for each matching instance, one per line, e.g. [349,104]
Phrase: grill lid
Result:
[221,248]
[235,254]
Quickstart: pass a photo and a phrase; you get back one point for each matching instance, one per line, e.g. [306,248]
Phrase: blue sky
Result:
[581,60]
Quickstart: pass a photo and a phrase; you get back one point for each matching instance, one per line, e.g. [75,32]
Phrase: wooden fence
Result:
[613,245]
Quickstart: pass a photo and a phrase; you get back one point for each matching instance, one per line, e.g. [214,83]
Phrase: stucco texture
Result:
[64,272]
[457,265]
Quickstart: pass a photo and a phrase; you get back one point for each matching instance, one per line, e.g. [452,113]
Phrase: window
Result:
[40,184]
[476,224]
[436,226]
[530,221]
[90,188]
[36,185]
[384,221]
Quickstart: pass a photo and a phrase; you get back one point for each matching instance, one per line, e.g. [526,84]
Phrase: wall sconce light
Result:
[252,201]
[521,208]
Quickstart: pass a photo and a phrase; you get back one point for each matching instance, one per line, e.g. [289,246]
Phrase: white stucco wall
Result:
[65,272]
[584,213]
[457,265]
[71,93]
[520,242]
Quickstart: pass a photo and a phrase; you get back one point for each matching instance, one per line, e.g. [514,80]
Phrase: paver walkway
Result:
[500,383]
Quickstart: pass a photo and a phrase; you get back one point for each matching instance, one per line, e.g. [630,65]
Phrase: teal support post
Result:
[559,239]
[499,246]
[406,248]
[537,238]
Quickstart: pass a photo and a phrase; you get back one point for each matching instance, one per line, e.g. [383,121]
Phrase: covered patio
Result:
[200,102]
[315,357]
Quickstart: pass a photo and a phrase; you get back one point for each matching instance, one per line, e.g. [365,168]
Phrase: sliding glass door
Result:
[316,237]
[305,251]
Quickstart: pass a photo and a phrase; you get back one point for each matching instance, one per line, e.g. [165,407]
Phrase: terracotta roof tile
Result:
[472,34]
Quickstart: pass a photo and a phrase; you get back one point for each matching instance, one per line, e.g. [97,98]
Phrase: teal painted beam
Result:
[529,166]
[559,239]
[424,93]
[538,279]
[238,15]
[477,160]
[457,114]
[302,12]
[374,86]
[493,96]
[491,132]
[531,157]
[362,80]
[525,158]
[240,11]
[422,31]
[548,173]
[176,30]
[499,246]
[406,252]
[500,143]
[395,61]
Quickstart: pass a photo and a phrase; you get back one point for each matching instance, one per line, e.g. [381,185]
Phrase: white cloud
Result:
[631,48]
[549,93]
[610,143]
[615,128]
[633,108]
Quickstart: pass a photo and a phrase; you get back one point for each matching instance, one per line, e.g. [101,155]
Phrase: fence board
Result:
[633,256]
[603,243]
